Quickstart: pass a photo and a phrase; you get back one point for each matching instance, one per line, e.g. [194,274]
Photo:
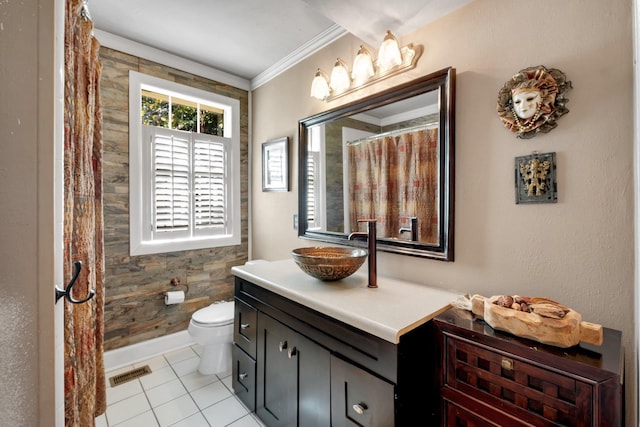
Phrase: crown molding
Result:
[325,38]
[140,50]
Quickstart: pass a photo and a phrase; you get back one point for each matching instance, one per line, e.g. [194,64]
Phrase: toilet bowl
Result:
[212,328]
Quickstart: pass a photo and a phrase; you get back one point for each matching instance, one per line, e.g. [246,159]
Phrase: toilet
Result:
[212,328]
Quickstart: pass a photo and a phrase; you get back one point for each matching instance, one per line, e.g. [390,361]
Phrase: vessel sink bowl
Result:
[330,263]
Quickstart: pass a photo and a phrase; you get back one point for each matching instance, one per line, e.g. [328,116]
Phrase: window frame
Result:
[141,241]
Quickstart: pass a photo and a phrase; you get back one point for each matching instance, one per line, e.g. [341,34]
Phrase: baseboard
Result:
[119,357]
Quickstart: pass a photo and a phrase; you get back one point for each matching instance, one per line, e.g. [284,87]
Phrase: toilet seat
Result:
[217,314]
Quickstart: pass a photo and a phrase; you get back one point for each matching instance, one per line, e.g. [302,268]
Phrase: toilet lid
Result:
[215,315]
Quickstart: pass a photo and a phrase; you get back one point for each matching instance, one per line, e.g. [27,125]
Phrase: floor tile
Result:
[196,380]
[146,419]
[160,376]
[101,421]
[154,363]
[210,394]
[123,391]
[197,348]
[180,355]
[126,409]
[246,421]
[224,413]
[165,393]
[186,366]
[175,410]
[227,381]
[196,420]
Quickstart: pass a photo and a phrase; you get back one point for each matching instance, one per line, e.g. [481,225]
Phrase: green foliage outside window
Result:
[156,108]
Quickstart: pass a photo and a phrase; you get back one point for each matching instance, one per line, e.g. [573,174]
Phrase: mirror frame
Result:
[444,81]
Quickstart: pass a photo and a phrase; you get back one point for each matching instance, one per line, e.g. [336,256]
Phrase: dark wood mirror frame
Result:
[444,82]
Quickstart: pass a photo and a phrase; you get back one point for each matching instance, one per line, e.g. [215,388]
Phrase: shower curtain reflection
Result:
[393,178]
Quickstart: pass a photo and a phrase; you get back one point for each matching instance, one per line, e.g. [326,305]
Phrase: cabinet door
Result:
[293,384]
[359,398]
[244,329]
[244,377]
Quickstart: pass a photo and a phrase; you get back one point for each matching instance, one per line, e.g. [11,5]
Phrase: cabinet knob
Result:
[282,345]
[292,352]
[244,326]
[360,408]
[243,375]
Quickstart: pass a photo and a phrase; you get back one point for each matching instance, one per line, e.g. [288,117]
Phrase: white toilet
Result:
[212,328]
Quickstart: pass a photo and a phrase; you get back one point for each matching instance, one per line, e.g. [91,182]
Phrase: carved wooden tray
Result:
[565,332]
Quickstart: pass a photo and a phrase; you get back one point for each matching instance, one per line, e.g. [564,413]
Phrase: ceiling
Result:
[251,38]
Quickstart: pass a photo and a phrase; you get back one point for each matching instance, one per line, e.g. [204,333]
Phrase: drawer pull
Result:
[292,352]
[360,408]
[244,326]
[507,364]
[282,345]
[243,375]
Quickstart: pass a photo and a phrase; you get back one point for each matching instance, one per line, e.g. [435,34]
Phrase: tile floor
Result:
[174,394]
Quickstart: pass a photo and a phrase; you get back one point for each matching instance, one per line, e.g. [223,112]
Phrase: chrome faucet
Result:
[413,229]
[370,235]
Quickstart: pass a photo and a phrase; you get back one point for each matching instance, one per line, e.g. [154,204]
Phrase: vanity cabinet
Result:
[491,378]
[312,370]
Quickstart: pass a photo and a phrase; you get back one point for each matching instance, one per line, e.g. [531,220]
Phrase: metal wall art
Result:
[532,100]
[535,177]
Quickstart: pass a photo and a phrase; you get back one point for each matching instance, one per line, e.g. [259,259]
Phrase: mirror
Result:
[388,156]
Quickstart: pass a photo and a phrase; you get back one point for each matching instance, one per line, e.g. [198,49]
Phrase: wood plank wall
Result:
[135,285]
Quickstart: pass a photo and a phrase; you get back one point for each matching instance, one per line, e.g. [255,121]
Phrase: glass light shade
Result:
[362,66]
[340,80]
[320,86]
[389,54]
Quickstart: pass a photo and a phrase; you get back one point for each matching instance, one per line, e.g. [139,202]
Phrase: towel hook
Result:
[66,292]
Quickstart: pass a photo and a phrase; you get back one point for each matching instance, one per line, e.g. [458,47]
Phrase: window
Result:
[184,152]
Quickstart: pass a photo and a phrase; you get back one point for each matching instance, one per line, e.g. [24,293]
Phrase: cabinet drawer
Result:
[527,391]
[244,377]
[359,398]
[245,327]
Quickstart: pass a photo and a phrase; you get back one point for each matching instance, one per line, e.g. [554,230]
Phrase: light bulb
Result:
[389,54]
[319,86]
[362,66]
[340,80]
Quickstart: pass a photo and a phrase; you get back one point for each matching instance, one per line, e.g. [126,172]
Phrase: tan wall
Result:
[135,285]
[578,251]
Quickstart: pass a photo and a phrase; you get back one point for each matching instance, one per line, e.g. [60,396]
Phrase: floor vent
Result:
[129,375]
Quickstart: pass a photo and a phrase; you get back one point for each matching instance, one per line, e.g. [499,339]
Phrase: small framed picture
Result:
[275,165]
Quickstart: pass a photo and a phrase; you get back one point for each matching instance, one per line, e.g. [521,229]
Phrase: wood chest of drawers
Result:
[491,378]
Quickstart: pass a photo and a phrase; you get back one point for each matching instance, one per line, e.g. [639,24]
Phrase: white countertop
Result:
[388,311]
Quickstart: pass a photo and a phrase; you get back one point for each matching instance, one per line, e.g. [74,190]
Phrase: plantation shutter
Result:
[312,163]
[171,204]
[209,171]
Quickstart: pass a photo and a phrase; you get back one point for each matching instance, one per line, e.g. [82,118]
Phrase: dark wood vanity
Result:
[491,378]
[298,367]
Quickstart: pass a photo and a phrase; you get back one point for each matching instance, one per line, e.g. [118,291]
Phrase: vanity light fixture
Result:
[320,85]
[362,66]
[340,80]
[389,54]
[391,60]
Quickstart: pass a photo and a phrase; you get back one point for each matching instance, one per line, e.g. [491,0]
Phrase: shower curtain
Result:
[394,178]
[84,379]
[373,184]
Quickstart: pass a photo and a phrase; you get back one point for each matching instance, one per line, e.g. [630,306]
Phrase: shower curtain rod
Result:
[394,132]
